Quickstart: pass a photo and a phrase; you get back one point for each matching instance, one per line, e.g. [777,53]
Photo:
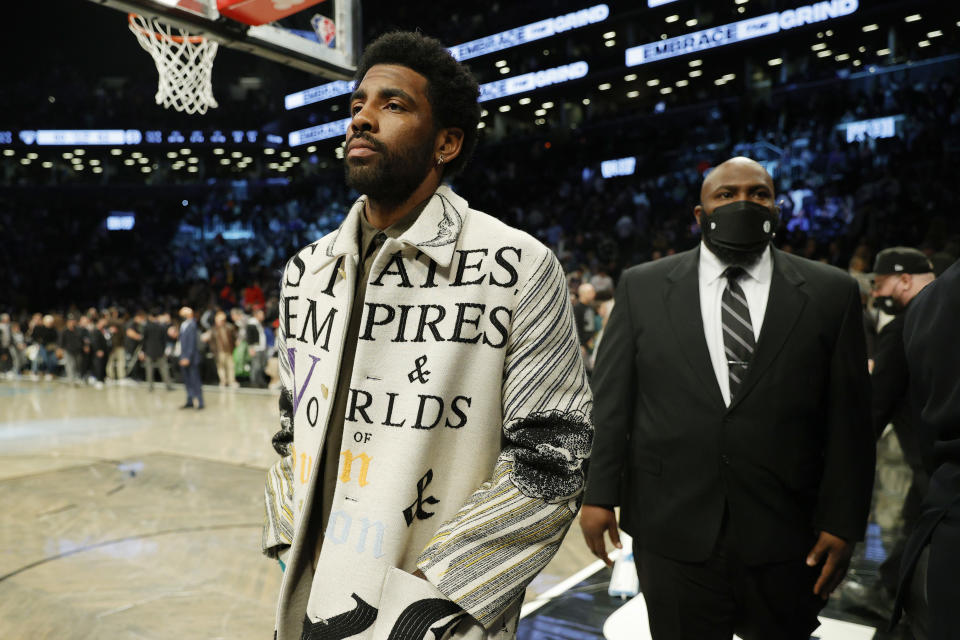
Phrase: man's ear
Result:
[449,143]
[697,212]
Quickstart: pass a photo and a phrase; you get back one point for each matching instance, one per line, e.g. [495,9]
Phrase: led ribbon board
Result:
[739,31]
[474,48]
[489,91]
[874,128]
[618,167]
[119,137]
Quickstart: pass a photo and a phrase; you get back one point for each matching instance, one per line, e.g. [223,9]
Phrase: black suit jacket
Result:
[793,455]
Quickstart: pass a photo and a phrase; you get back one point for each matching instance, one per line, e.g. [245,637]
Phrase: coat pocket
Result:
[413,609]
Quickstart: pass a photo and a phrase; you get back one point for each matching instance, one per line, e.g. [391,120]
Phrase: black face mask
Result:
[888,305]
[739,232]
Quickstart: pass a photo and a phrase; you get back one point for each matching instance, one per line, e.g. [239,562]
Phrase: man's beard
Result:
[731,257]
[389,177]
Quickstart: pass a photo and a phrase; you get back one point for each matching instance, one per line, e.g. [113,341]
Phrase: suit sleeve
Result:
[510,528]
[850,445]
[278,489]
[615,381]
[890,380]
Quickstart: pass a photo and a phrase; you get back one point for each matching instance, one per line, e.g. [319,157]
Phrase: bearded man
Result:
[434,408]
[733,425]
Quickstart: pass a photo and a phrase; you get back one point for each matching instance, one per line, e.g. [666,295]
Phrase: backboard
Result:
[321,38]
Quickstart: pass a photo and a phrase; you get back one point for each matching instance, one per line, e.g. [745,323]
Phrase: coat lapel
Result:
[682,300]
[784,306]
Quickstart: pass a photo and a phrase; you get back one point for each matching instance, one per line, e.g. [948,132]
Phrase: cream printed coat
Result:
[467,424]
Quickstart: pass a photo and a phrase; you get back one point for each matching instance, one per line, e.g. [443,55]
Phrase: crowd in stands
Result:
[841,202]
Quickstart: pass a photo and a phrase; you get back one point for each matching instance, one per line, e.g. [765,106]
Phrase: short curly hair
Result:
[451,88]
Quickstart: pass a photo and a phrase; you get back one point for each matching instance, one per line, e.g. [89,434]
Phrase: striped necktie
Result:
[738,341]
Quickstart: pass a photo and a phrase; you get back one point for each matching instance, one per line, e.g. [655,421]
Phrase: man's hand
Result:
[184,362]
[837,552]
[594,521]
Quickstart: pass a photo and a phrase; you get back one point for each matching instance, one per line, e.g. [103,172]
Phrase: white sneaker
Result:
[98,385]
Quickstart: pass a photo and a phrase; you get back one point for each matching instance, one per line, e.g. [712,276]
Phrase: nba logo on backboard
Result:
[326,30]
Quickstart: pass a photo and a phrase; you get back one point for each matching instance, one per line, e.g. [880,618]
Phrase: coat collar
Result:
[434,233]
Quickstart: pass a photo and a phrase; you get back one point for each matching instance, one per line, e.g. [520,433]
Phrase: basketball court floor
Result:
[123,516]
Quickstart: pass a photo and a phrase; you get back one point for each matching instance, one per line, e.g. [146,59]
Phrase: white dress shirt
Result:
[756,287]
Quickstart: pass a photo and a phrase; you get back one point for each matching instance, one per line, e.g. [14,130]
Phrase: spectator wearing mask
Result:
[899,274]
[153,353]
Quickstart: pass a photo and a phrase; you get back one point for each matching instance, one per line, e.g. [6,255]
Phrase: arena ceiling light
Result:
[775,62]
[883,52]
[695,63]
[819,46]
[24,161]
[610,35]
[171,154]
[671,19]
[605,86]
[94,162]
[630,77]
[913,18]
[633,94]
[547,105]
[504,108]
[192,160]
[653,82]
[843,57]
[692,22]
[9,152]
[610,43]
[923,43]
[585,101]
[825,53]
[145,169]
[935,34]
[237,154]
[666,90]
[224,161]
[682,83]
[192,169]
[185,152]
[218,151]
[524,101]
[269,152]
[129,162]
[116,152]
[870,27]
[98,169]
[500,63]
[46,165]
[696,73]
[505,70]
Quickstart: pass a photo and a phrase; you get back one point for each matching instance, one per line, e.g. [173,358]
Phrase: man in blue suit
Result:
[190,358]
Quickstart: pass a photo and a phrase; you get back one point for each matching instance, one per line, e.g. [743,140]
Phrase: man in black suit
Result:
[733,425]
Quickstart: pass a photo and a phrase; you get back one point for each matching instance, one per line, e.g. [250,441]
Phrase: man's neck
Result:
[382,215]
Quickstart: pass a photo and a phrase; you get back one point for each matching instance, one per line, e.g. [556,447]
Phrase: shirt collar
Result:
[711,267]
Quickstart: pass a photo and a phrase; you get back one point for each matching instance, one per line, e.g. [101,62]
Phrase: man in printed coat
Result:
[435,414]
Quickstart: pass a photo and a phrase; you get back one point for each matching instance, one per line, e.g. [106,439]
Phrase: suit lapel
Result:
[682,300]
[784,306]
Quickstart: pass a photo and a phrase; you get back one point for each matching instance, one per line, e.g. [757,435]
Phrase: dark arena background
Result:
[123,517]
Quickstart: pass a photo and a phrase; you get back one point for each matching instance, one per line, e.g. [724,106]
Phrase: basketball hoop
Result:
[184,64]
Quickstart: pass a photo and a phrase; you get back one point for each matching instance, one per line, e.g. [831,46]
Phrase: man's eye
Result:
[393,106]
[355,109]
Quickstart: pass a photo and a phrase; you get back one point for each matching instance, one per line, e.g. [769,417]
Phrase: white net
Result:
[184,63]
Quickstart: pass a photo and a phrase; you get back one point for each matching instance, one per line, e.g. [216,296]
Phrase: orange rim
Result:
[160,36]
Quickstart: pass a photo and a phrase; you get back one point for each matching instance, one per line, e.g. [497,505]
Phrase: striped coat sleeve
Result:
[509,529]
[278,489]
